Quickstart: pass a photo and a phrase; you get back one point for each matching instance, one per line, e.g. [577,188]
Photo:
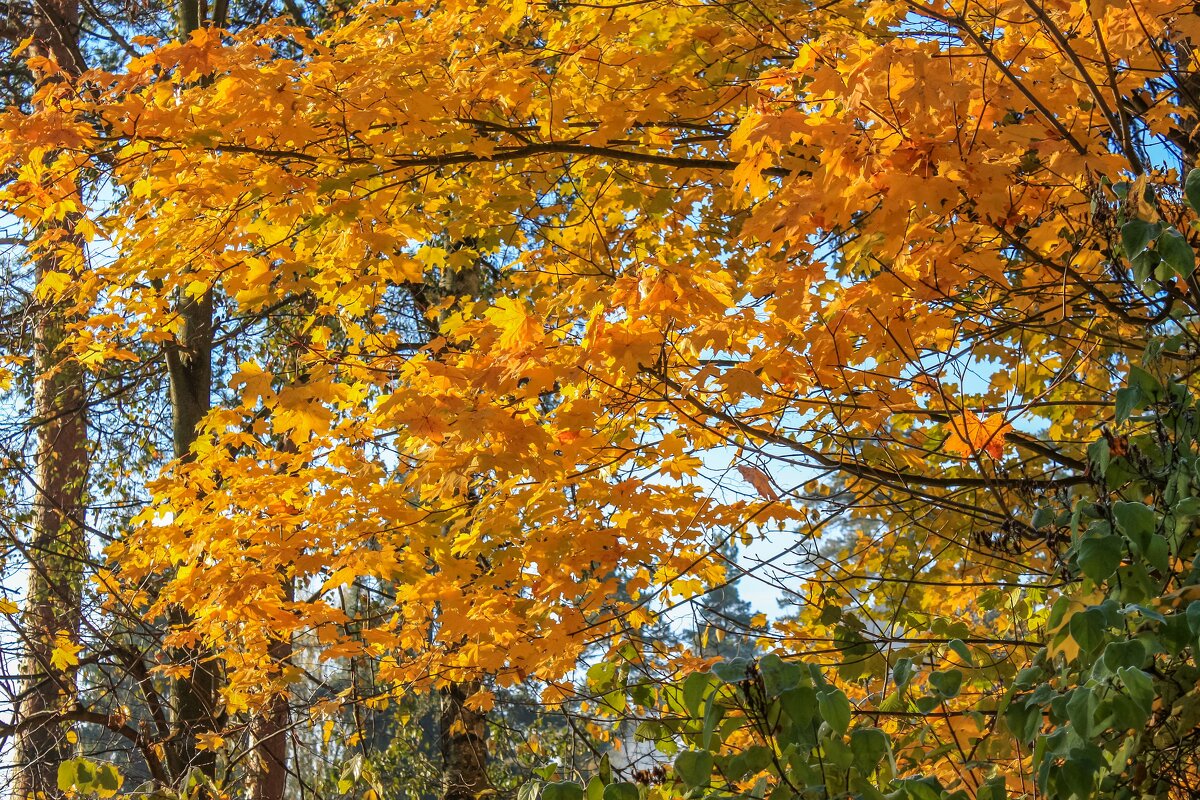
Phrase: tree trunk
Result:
[268,777]
[463,730]
[58,547]
[269,730]
[463,744]
[56,554]
[195,698]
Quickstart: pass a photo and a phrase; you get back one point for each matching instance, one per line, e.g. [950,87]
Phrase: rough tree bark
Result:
[57,549]
[463,744]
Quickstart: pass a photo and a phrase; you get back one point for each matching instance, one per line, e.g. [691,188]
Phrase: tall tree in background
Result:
[57,549]
[462,735]
[195,698]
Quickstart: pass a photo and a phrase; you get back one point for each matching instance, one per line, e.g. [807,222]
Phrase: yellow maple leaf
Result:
[518,328]
[65,653]
[483,700]
[52,284]
[209,741]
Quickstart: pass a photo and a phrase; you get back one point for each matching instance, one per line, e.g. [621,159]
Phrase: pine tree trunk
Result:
[56,554]
[58,547]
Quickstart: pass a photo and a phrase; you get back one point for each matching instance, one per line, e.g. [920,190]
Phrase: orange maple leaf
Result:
[970,435]
[761,482]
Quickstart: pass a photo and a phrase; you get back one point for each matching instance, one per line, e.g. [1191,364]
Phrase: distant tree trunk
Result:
[58,547]
[195,698]
[270,728]
[463,744]
[57,553]
[463,730]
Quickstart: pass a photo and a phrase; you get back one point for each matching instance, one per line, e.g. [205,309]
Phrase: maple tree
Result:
[514,315]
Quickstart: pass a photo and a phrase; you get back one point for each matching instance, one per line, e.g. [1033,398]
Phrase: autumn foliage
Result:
[524,311]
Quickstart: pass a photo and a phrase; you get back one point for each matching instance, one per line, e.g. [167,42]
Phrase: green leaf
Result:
[1087,629]
[778,675]
[902,673]
[600,676]
[962,651]
[108,780]
[799,703]
[1078,777]
[1191,189]
[85,774]
[1081,710]
[749,762]
[1175,251]
[1158,553]
[1124,654]
[605,772]
[621,791]
[712,715]
[694,768]
[1145,381]
[733,671]
[650,731]
[869,746]
[1098,452]
[1023,721]
[615,700]
[1193,614]
[594,789]
[694,687]
[1144,265]
[922,788]
[1137,521]
[1042,517]
[1136,235]
[927,704]
[994,789]
[1099,556]
[1027,677]
[835,709]
[947,683]
[562,790]
[1129,398]
[1127,714]
[1145,611]
[1139,686]
[66,776]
